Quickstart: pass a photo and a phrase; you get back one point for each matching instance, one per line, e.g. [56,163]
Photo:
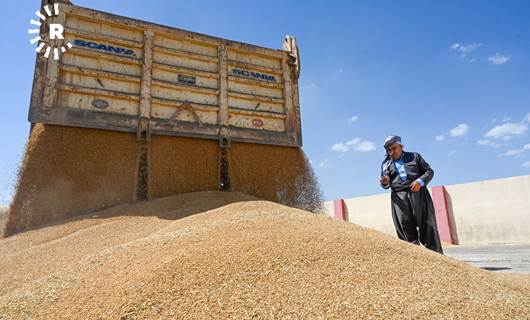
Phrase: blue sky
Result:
[451,77]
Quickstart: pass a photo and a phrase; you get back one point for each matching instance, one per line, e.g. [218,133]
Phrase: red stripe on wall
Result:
[443,217]
[339,209]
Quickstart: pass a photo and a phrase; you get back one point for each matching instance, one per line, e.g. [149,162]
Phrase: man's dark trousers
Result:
[412,211]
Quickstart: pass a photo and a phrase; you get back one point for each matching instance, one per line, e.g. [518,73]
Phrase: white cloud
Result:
[486,142]
[339,147]
[499,59]
[507,130]
[312,85]
[356,144]
[459,130]
[353,141]
[365,146]
[515,152]
[352,119]
[323,164]
[440,137]
[526,164]
[465,49]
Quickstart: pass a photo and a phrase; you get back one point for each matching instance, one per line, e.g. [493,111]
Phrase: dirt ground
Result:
[218,255]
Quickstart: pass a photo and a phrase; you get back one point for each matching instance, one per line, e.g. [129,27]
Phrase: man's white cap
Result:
[390,140]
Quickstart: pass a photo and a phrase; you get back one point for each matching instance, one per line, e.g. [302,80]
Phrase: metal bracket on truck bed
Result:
[224,163]
[143,132]
[289,44]
[224,137]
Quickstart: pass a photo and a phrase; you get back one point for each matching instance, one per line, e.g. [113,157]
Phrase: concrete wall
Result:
[490,211]
[371,212]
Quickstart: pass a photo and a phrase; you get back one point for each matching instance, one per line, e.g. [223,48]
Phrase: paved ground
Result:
[497,258]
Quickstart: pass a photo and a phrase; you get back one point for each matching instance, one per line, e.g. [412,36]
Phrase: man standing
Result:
[412,209]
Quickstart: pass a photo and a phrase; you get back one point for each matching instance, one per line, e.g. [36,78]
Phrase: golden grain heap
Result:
[219,255]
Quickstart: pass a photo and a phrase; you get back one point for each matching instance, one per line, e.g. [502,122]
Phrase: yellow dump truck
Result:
[166,87]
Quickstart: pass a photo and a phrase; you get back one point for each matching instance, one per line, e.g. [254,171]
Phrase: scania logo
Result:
[255,75]
[104,47]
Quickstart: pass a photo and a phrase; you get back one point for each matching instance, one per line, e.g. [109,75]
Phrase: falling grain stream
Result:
[67,171]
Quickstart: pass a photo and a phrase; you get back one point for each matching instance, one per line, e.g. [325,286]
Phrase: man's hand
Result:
[385,180]
[415,186]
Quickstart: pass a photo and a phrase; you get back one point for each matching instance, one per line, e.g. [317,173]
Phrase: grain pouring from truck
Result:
[133,110]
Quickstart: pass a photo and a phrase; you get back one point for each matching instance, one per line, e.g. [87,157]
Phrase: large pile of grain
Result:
[226,255]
